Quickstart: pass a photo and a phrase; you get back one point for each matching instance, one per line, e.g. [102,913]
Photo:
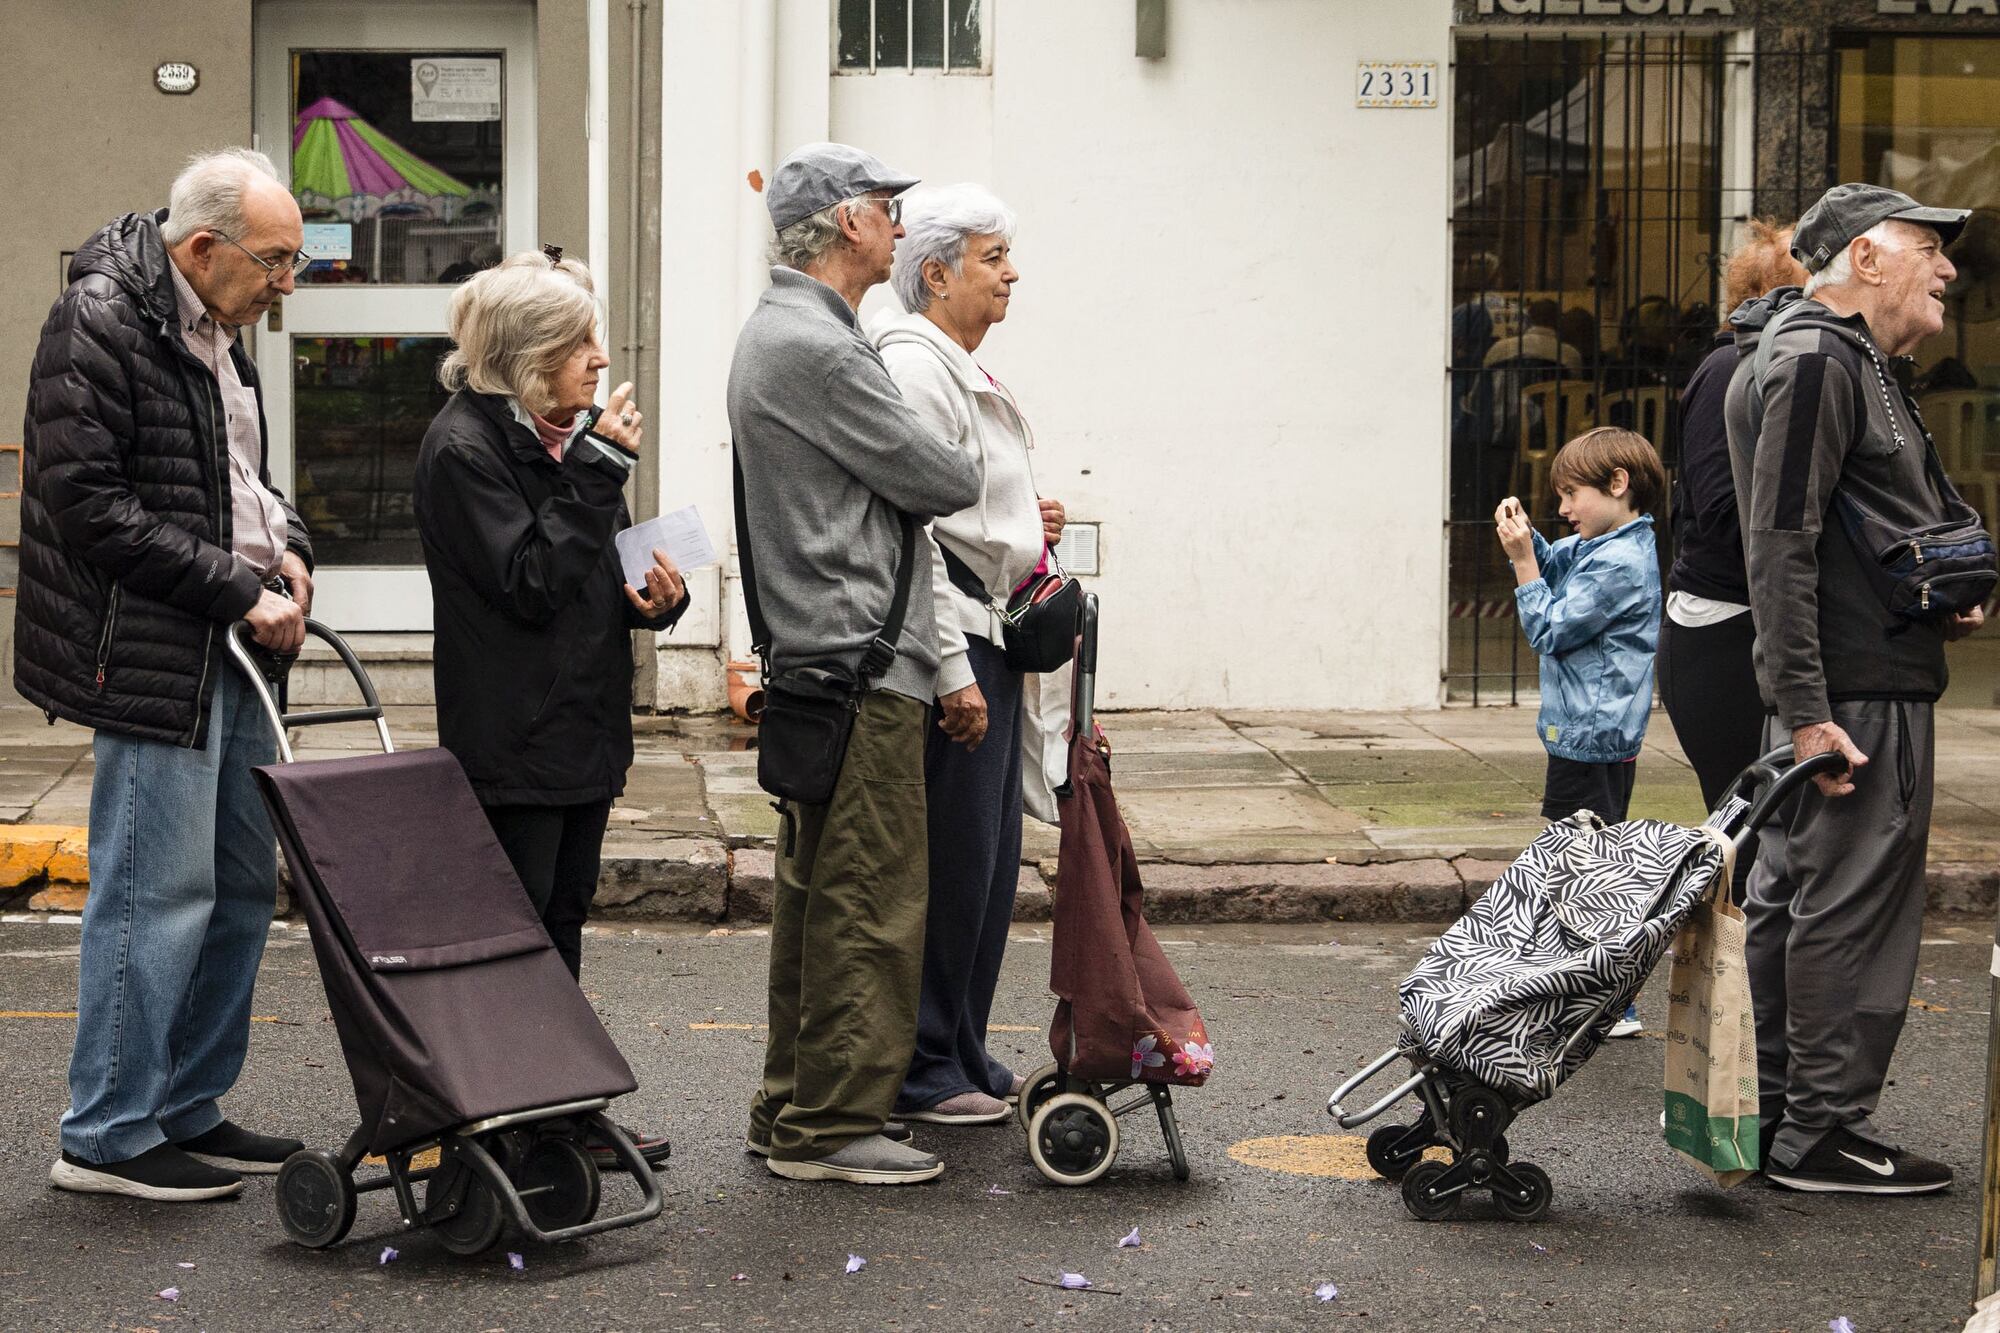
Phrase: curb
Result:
[45,867]
[703,880]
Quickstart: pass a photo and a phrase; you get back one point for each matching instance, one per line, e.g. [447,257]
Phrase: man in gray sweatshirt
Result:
[1835,902]
[831,463]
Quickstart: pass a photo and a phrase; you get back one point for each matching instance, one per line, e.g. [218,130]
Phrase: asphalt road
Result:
[1635,1241]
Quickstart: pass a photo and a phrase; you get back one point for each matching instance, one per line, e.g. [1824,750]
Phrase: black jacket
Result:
[1708,537]
[532,656]
[127,578]
[1827,418]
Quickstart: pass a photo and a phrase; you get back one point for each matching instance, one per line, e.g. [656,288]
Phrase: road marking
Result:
[71,1013]
[1340,1156]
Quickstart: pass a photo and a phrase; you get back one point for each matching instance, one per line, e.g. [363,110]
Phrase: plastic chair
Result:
[1552,412]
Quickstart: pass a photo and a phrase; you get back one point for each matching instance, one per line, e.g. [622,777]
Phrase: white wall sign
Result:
[329,240]
[1389,83]
[176,76]
[1614,8]
[454,88]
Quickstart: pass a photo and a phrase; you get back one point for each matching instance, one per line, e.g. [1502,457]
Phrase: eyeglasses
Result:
[892,207]
[274,271]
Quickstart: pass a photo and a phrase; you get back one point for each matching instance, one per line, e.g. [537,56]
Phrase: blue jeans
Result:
[183,880]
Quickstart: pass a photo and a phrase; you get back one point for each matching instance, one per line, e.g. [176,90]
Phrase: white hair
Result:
[1839,270]
[938,223]
[516,324]
[208,194]
[808,240]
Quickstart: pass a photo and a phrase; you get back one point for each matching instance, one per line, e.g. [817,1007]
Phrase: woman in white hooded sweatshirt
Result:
[954,275]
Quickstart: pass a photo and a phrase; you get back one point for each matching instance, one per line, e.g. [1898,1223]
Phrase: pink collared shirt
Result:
[257,520]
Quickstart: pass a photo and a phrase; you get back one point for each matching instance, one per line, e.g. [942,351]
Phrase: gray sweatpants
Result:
[1835,913]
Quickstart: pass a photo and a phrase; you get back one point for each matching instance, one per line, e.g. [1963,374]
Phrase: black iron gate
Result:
[1597,180]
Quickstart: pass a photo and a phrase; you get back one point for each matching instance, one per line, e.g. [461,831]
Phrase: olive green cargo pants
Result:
[847,942]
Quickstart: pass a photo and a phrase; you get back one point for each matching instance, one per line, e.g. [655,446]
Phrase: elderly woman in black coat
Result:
[518,495]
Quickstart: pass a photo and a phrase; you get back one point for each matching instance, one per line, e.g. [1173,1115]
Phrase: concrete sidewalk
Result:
[1240,816]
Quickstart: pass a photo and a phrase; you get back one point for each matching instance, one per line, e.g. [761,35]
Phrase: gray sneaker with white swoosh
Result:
[1845,1163]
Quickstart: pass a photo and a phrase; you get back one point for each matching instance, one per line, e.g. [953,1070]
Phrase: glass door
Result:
[407,135]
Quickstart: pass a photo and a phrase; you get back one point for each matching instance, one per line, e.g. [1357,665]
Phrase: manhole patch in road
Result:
[1339,1156]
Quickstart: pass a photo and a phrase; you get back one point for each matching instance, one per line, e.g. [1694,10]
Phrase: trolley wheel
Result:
[315,1199]
[1478,1116]
[1417,1196]
[461,1208]
[1170,1129]
[1389,1163]
[1036,1089]
[1073,1139]
[559,1183]
[1540,1191]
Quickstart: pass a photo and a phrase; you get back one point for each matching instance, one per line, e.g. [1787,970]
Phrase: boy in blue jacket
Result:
[1590,606]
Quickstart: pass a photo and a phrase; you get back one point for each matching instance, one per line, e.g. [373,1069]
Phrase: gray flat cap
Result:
[820,175]
[1847,211]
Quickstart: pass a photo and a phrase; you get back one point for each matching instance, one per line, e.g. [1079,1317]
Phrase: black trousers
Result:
[1709,687]
[556,850]
[1603,789]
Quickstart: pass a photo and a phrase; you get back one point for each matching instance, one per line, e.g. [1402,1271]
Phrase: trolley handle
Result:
[1779,779]
[282,722]
[1084,706]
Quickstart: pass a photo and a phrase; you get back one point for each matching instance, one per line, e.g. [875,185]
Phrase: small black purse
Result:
[1040,623]
[809,711]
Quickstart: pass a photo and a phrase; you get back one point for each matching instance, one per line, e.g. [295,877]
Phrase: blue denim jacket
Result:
[1594,616]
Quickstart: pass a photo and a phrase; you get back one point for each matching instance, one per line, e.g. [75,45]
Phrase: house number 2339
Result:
[1397,84]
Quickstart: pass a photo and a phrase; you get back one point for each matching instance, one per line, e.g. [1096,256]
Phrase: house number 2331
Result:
[1397,84]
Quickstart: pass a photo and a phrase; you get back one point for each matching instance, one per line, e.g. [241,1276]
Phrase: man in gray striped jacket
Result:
[1836,901]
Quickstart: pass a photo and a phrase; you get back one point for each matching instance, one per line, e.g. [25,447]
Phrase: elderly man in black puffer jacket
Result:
[148,527]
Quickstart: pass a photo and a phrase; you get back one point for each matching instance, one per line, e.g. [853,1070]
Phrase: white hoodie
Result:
[1000,536]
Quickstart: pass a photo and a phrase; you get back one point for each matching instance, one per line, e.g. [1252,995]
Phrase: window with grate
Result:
[871,36]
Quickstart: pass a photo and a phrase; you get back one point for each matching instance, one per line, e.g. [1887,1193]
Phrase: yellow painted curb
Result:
[1340,1156]
[56,853]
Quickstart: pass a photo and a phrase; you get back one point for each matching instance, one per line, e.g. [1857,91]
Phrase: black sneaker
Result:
[163,1173]
[234,1148]
[1843,1163]
[653,1148]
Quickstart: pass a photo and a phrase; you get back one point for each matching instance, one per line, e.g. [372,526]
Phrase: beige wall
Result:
[91,139]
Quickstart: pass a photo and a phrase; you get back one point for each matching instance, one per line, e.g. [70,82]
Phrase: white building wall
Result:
[1230,332]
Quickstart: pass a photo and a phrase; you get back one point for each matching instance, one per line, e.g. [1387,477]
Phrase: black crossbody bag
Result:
[809,711]
[1039,624]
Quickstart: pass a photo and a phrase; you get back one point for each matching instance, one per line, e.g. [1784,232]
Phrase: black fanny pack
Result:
[809,711]
[1039,626]
[1920,574]
[1928,573]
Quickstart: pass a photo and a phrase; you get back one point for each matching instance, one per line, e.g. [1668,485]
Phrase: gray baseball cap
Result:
[1848,211]
[820,175]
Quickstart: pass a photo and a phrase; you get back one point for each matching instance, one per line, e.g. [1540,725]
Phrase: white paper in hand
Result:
[680,534]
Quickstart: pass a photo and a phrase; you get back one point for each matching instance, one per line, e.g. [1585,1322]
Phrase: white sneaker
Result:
[1629,1025]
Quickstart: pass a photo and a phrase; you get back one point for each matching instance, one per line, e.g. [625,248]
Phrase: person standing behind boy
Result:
[1590,606]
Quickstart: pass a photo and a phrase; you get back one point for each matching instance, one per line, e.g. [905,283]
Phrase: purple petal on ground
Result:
[1130,1240]
[1326,1291]
[1538,1249]
[171,1294]
[1841,1324]
[183,1265]
[995,1192]
[855,1263]
[516,1262]
[1074,1282]
[740,1277]
[389,1255]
